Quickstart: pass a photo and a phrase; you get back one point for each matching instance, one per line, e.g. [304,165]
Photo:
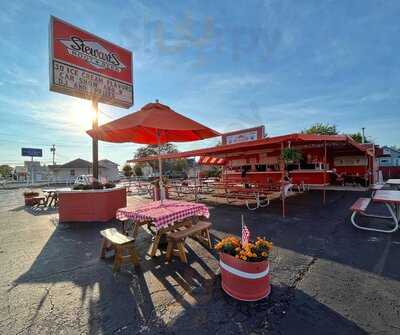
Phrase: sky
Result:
[229,65]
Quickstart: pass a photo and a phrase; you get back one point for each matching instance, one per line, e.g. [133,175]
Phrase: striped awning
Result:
[207,160]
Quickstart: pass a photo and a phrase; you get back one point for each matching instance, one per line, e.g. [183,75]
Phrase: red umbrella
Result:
[154,123]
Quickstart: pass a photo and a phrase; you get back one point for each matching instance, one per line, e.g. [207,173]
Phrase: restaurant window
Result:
[261,167]
[72,173]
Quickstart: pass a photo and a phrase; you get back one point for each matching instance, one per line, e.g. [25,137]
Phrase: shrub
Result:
[96,185]
[28,194]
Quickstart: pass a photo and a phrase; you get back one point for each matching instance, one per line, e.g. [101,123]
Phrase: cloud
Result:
[17,75]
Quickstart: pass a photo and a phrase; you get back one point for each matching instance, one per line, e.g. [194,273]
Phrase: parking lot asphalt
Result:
[327,277]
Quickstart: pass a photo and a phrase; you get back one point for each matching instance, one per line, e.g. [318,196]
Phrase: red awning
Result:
[207,160]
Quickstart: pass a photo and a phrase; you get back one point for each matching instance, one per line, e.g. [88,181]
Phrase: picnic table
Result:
[390,198]
[51,195]
[164,217]
[394,182]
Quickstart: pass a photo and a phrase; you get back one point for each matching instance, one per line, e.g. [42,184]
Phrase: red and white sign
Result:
[87,66]
[244,135]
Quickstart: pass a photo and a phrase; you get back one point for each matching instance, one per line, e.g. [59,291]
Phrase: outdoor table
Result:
[391,199]
[188,189]
[51,195]
[394,182]
[165,216]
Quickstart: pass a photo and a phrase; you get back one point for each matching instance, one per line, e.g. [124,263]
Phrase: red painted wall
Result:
[352,170]
[311,178]
[259,178]
[390,171]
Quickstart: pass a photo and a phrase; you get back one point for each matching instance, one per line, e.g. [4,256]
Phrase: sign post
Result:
[95,141]
[89,67]
[31,152]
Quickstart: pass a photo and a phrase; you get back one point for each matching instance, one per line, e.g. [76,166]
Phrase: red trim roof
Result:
[270,142]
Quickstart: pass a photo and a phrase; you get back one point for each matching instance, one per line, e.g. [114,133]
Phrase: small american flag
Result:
[245,233]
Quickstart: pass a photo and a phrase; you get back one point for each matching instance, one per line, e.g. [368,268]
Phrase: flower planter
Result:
[30,199]
[246,281]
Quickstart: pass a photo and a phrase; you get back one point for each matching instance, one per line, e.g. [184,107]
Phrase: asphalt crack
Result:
[302,273]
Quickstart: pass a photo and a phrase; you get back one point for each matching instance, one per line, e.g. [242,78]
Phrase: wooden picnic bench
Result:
[37,201]
[177,239]
[112,239]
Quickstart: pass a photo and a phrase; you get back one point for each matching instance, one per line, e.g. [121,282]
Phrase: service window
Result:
[261,167]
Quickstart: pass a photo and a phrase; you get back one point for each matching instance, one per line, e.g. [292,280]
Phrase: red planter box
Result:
[30,199]
[90,205]
[247,281]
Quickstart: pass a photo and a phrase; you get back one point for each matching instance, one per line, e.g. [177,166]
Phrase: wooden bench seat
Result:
[37,201]
[113,239]
[200,229]
[360,205]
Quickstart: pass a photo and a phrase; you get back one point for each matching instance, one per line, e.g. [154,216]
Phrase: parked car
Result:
[84,179]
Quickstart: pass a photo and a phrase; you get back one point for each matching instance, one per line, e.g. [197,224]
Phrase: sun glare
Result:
[82,114]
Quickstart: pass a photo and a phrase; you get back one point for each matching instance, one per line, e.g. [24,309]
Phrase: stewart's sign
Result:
[86,66]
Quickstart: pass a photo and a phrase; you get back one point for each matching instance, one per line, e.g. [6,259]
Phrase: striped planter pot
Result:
[246,281]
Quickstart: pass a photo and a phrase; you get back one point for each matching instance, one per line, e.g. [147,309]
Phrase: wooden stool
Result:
[120,243]
[177,239]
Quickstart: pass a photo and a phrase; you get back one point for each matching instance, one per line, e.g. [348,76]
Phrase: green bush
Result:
[97,185]
[291,155]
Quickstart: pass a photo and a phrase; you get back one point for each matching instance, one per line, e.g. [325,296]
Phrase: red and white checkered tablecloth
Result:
[165,214]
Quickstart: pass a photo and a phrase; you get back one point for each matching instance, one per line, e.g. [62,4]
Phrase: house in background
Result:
[31,171]
[21,173]
[389,162]
[108,170]
[36,171]
[390,157]
[67,172]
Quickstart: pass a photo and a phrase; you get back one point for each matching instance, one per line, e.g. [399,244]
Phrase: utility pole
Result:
[53,150]
[363,136]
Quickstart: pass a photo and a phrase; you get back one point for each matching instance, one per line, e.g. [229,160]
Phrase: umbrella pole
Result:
[162,192]
[160,176]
